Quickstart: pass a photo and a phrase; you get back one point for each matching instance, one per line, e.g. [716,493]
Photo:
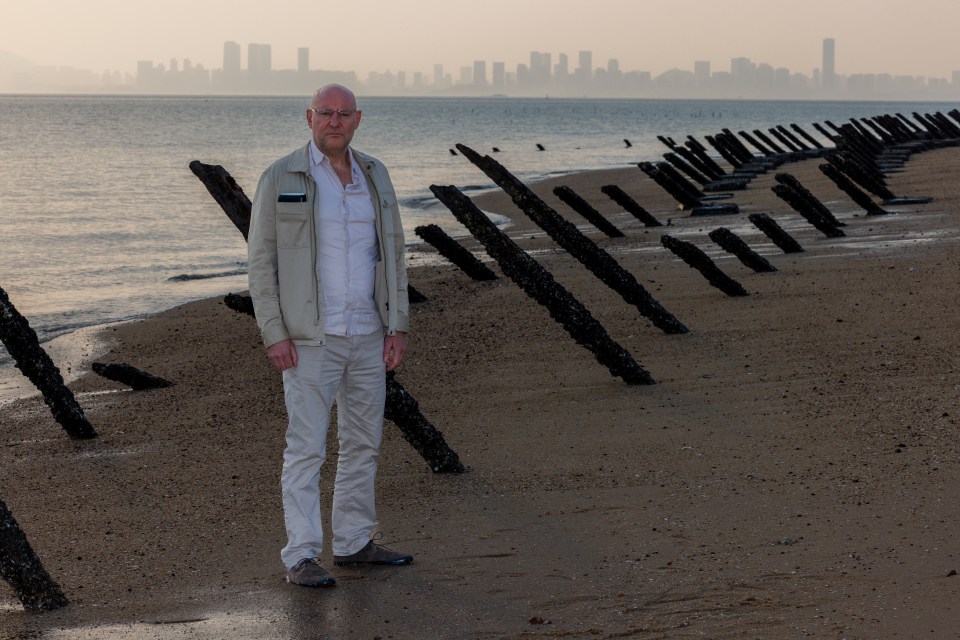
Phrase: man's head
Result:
[333,117]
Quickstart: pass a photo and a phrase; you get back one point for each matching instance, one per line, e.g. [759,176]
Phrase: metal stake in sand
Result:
[811,215]
[22,570]
[702,263]
[810,199]
[594,258]
[226,192]
[402,409]
[697,148]
[696,162]
[236,201]
[775,232]
[858,196]
[540,285]
[767,153]
[768,142]
[687,198]
[581,206]
[806,136]
[630,205]
[455,252]
[239,303]
[686,194]
[415,296]
[136,379]
[870,178]
[732,243]
[23,345]
[684,167]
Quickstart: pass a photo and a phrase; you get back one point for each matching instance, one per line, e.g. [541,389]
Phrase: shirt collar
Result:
[319,158]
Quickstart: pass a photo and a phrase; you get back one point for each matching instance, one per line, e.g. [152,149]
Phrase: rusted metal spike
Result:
[700,261]
[537,283]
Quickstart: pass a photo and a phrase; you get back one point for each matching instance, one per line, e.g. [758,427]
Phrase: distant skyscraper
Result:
[480,73]
[303,60]
[562,70]
[438,75]
[586,62]
[585,70]
[231,58]
[546,66]
[148,75]
[701,72]
[539,69]
[499,76]
[258,59]
[829,60]
[743,72]
[782,79]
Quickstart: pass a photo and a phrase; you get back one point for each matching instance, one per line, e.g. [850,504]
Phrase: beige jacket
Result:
[282,251]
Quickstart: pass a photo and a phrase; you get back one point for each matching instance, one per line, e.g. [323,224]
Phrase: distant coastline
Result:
[543,76]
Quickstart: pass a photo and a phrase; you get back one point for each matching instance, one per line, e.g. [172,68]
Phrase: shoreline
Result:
[72,353]
[786,475]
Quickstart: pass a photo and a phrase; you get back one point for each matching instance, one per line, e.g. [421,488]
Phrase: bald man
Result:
[329,288]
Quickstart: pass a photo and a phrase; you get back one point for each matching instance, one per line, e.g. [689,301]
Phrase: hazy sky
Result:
[918,37]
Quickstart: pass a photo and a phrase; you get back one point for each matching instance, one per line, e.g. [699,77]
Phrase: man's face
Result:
[333,118]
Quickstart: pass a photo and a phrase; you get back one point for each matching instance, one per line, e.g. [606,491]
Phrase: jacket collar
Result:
[300,160]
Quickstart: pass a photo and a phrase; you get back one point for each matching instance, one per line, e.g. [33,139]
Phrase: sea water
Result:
[101,219]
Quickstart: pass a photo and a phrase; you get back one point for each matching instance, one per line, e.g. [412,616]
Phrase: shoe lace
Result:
[302,563]
[375,540]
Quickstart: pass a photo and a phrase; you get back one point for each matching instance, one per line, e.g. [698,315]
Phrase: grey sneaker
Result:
[374,554]
[309,573]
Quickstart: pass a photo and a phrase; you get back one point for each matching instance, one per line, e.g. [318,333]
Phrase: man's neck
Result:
[341,164]
[339,160]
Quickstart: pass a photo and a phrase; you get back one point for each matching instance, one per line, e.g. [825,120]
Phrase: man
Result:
[329,289]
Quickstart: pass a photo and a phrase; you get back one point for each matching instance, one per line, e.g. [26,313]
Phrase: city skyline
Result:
[247,68]
[110,35]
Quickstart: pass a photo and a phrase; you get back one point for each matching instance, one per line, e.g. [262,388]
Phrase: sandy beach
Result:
[789,475]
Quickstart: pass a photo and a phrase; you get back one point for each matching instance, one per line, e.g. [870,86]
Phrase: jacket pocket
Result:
[293,224]
[388,201]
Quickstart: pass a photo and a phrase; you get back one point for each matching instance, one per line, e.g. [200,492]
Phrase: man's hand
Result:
[393,349]
[283,355]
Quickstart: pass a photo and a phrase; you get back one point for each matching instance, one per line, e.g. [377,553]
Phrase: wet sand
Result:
[793,473]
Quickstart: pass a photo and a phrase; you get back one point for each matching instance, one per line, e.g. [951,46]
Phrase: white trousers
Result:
[350,370]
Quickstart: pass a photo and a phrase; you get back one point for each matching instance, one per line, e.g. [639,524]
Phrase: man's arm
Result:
[262,262]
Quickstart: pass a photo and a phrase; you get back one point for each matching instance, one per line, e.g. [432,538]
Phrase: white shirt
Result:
[346,249]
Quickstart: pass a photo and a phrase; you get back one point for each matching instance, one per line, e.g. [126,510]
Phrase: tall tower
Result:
[258,59]
[562,70]
[480,74]
[585,70]
[499,76]
[829,59]
[231,58]
[303,60]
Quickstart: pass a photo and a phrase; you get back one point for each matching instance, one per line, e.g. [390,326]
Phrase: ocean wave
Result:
[183,277]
